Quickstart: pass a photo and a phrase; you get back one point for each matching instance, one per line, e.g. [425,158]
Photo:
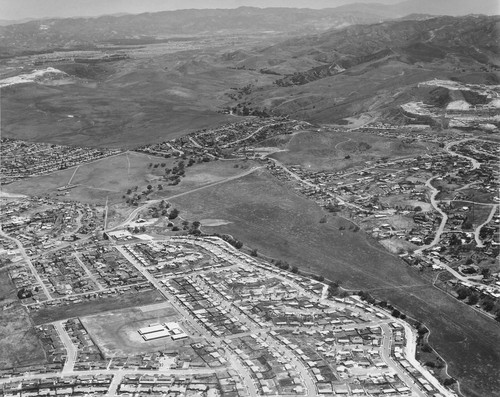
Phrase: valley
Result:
[308,203]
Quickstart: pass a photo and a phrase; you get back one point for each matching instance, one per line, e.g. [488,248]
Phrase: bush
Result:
[449,382]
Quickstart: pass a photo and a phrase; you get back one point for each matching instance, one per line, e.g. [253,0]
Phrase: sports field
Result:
[115,332]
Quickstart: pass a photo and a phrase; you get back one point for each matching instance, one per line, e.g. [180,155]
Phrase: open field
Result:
[278,223]
[105,178]
[127,300]
[110,177]
[18,342]
[123,104]
[115,333]
[328,150]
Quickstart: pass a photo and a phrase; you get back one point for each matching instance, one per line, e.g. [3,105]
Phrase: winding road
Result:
[479,242]
[475,164]
[444,217]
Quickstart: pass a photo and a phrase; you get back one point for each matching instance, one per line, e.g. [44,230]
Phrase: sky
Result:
[20,9]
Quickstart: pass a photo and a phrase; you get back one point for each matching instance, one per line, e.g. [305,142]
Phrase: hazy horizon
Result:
[33,9]
[21,9]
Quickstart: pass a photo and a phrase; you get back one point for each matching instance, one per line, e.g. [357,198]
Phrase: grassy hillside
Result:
[280,224]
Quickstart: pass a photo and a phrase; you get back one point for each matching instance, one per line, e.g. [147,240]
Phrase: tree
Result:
[449,381]
[24,293]
[238,244]
[473,299]
[488,305]
[173,214]
[426,348]
[295,269]
[150,187]
[462,293]
[396,313]
[282,264]
[253,252]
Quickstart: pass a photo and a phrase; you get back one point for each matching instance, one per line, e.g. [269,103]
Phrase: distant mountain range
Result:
[39,35]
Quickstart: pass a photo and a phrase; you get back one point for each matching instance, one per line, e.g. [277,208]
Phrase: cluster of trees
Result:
[163,165]
[334,289]
[161,210]
[137,229]
[230,239]
[383,304]
[174,213]
[473,297]
[175,173]
[332,207]
[132,197]
[24,293]
[192,228]
[284,265]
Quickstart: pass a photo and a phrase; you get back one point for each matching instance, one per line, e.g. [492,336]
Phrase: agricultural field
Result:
[115,332]
[282,225]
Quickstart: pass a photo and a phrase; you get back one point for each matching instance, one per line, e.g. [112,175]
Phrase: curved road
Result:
[479,242]
[475,164]
[444,217]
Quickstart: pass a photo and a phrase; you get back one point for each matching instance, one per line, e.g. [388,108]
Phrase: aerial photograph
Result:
[242,198]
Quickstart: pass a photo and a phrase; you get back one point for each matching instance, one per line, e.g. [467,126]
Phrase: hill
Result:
[370,68]
[18,37]
[49,34]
